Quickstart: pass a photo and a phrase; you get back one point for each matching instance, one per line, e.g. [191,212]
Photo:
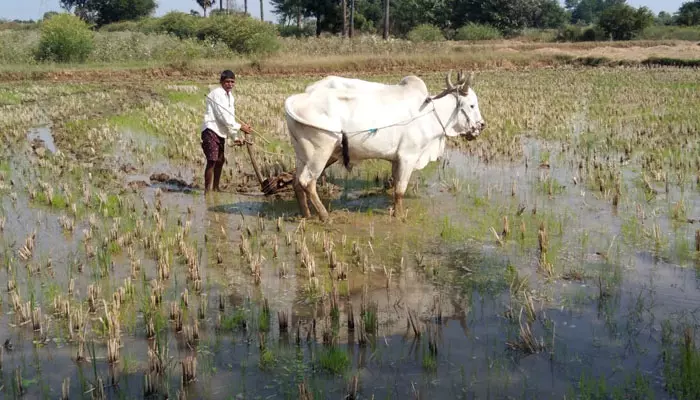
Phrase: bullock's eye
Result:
[472,106]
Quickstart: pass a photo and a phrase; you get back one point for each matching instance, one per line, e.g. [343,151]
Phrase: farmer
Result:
[220,123]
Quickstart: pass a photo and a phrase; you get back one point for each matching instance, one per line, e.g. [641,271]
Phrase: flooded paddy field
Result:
[556,256]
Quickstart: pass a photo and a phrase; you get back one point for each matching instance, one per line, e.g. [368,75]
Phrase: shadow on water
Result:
[287,206]
[267,209]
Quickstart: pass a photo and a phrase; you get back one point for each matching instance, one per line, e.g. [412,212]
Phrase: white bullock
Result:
[357,120]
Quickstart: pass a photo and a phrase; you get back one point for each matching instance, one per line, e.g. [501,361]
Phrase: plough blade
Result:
[277,183]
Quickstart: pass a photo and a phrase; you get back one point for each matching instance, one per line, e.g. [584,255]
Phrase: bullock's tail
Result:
[346,150]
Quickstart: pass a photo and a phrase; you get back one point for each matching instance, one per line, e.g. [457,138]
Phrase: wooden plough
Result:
[274,184]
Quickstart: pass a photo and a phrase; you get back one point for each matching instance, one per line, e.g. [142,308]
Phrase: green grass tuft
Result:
[334,360]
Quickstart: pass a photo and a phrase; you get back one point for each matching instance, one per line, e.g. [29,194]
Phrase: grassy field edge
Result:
[204,69]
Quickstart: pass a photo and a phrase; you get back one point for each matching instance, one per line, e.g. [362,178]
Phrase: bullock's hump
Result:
[414,83]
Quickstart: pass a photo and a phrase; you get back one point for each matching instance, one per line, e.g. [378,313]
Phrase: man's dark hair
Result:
[228,74]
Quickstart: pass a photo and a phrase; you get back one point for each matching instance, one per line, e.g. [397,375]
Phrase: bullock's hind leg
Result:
[306,181]
[302,199]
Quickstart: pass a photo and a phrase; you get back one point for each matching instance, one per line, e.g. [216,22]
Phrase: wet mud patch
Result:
[466,298]
[41,140]
[161,181]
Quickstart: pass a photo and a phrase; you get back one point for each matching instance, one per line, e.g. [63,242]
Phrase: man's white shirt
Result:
[220,116]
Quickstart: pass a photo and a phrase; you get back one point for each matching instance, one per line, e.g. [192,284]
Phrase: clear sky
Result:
[34,9]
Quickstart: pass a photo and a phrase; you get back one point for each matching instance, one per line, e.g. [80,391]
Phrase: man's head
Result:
[228,80]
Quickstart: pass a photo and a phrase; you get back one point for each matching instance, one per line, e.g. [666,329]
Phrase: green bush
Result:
[624,22]
[65,38]
[569,33]
[537,35]
[18,47]
[149,25]
[242,34]
[17,26]
[179,24]
[473,31]
[425,33]
[578,33]
[111,47]
[292,31]
[593,34]
[123,26]
[691,33]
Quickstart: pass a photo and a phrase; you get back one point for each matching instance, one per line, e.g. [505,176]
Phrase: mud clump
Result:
[135,185]
[172,184]
[128,168]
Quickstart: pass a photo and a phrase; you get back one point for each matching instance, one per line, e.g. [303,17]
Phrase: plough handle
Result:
[249,146]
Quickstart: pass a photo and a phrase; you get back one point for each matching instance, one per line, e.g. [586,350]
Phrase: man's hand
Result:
[245,128]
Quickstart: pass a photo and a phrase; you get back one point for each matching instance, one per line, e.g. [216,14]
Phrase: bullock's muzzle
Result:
[474,132]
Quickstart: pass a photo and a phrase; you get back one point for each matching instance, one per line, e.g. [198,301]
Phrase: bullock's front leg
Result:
[401,172]
[301,199]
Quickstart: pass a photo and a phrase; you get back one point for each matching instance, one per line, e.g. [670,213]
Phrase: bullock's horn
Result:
[470,80]
[448,80]
[460,75]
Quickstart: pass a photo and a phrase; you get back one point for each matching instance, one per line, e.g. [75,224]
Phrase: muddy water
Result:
[43,137]
[612,338]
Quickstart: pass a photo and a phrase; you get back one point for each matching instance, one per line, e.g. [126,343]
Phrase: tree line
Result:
[398,17]
[613,18]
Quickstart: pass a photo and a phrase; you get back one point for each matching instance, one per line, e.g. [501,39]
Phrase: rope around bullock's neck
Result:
[452,116]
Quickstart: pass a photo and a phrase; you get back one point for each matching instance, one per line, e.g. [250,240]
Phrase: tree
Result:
[689,13]
[623,22]
[289,10]
[549,14]
[506,15]
[344,7]
[387,7]
[588,11]
[664,18]
[410,14]
[571,5]
[205,4]
[369,15]
[326,12]
[107,11]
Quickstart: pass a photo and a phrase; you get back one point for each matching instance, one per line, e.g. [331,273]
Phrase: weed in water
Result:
[334,360]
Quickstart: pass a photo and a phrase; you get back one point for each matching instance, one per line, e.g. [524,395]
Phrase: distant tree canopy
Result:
[623,22]
[205,4]
[610,18]
[588,11]
[689,13]
[103,12]
[664,18]
[506,15]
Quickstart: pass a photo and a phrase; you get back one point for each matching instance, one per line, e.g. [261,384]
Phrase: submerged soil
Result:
[457,301]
